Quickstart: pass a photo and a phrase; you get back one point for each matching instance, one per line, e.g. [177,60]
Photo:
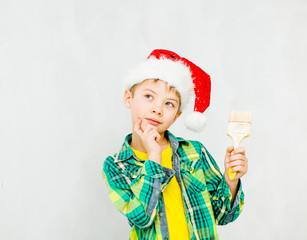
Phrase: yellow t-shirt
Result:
[176,221]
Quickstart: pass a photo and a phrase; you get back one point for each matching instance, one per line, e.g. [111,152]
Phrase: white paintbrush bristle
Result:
[240,116]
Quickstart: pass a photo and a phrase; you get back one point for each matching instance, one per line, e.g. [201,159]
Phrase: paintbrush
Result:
[239,126]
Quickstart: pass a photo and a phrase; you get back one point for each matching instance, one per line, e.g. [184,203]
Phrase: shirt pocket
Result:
[134,173]
[192,176]
[128,175]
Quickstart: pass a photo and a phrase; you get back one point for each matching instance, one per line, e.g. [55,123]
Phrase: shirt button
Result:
[161,215]
[190,168]
[165,238]
[157,192]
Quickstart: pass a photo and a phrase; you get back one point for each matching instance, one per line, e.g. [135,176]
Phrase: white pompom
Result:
[195,121]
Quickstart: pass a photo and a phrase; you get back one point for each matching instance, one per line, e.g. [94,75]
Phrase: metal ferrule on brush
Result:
[238,131]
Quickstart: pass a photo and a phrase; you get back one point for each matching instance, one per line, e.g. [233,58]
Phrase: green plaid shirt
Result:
[135,187]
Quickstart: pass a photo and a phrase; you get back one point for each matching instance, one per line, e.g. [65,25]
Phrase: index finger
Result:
[137,127]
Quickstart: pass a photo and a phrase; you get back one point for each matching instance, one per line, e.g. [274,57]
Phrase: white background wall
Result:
[61,107]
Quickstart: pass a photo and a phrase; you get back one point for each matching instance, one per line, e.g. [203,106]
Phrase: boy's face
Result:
[155,103]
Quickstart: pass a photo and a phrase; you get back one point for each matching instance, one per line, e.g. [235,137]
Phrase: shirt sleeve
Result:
[220,194]
[136,195]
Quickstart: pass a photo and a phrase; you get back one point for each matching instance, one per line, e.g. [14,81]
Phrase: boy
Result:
[168,187]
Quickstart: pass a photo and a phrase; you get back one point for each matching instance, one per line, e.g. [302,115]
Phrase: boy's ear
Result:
[127,98]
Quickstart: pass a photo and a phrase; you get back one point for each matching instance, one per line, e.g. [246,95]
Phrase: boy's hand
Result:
[150,138]
[235,159]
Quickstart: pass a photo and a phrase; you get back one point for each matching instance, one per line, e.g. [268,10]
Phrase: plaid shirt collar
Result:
[126,152]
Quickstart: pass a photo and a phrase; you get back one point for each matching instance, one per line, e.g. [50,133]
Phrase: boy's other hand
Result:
[235,159]
[150,138]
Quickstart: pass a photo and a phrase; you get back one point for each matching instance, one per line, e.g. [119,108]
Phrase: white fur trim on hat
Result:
[175,73]
[195,121]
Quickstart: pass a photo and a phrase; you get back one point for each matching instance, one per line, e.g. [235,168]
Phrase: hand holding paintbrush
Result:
[238,128]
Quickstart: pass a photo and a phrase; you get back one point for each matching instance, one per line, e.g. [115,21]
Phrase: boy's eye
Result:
[148,96]
[169,104]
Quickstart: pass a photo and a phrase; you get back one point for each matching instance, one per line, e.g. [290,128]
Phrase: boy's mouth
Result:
[153,121]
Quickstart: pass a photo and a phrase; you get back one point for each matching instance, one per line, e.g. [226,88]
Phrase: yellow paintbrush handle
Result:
[231,174]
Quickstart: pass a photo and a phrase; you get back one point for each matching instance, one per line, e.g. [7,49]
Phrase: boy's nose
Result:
[157,110]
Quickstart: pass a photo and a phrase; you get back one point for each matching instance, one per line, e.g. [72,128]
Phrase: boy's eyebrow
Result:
[156,93]
[150,90]
[173,99]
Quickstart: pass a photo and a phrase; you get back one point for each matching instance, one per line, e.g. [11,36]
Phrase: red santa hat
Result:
[180,73]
